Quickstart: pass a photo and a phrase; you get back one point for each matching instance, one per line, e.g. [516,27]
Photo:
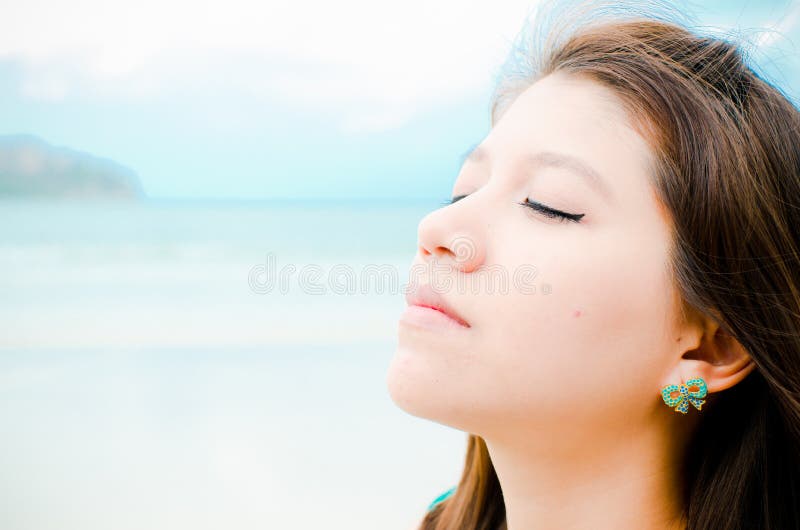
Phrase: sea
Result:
[188,364]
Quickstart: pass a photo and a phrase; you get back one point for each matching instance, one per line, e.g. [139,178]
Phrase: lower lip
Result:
[428,318]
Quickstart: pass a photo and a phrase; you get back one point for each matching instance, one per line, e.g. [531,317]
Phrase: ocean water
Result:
[172,364]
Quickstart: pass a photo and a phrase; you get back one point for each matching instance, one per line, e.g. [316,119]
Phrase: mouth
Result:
[428,308]
[455,319]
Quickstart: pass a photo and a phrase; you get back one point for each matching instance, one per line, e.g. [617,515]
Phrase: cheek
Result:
[594,317]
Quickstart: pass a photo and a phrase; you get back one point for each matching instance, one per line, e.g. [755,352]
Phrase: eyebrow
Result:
[552,159]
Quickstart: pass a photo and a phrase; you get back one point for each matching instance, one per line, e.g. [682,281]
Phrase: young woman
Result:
[610,307]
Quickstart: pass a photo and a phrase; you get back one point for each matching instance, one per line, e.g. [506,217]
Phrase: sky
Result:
[310,99]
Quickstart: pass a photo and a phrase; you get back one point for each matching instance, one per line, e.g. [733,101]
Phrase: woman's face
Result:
[585,329]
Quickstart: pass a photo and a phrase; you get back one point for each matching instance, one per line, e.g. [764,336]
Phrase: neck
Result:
[627,482]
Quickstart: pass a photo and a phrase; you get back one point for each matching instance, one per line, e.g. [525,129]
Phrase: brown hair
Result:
[727,150]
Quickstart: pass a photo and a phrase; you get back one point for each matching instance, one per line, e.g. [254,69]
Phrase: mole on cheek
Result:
[577,313]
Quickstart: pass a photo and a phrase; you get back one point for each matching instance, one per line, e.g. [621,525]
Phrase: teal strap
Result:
[441,497]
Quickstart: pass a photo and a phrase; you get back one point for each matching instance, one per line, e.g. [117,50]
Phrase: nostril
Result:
[438,252]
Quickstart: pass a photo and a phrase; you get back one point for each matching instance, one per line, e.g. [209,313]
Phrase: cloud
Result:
[387,58]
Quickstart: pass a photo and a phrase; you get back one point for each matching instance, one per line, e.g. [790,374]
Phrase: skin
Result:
[563,383]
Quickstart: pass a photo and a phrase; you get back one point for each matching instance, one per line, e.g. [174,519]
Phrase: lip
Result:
[424,296]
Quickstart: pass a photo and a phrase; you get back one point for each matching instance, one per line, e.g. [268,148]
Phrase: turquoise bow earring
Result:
[690,392]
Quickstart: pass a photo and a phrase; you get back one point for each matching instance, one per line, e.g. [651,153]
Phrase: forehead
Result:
[578,117]
[563,106]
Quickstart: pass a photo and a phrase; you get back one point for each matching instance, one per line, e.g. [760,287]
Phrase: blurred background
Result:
[207,215]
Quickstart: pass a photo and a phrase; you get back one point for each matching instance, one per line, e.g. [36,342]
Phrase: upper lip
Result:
[424,295]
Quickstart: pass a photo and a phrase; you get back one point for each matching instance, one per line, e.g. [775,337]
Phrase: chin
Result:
[400,381]
[421,386]
[412,384]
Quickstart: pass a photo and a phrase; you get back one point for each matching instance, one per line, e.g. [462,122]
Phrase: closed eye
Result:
[552,212]
[454,199]
[538,207]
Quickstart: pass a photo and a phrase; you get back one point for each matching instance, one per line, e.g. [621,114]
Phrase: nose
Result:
[453,235]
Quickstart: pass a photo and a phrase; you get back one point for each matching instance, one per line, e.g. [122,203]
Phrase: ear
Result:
[711,352]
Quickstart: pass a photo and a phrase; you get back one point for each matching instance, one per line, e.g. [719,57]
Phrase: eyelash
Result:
[538,207]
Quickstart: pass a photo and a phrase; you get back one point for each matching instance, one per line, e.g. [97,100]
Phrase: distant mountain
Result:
[29,166]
